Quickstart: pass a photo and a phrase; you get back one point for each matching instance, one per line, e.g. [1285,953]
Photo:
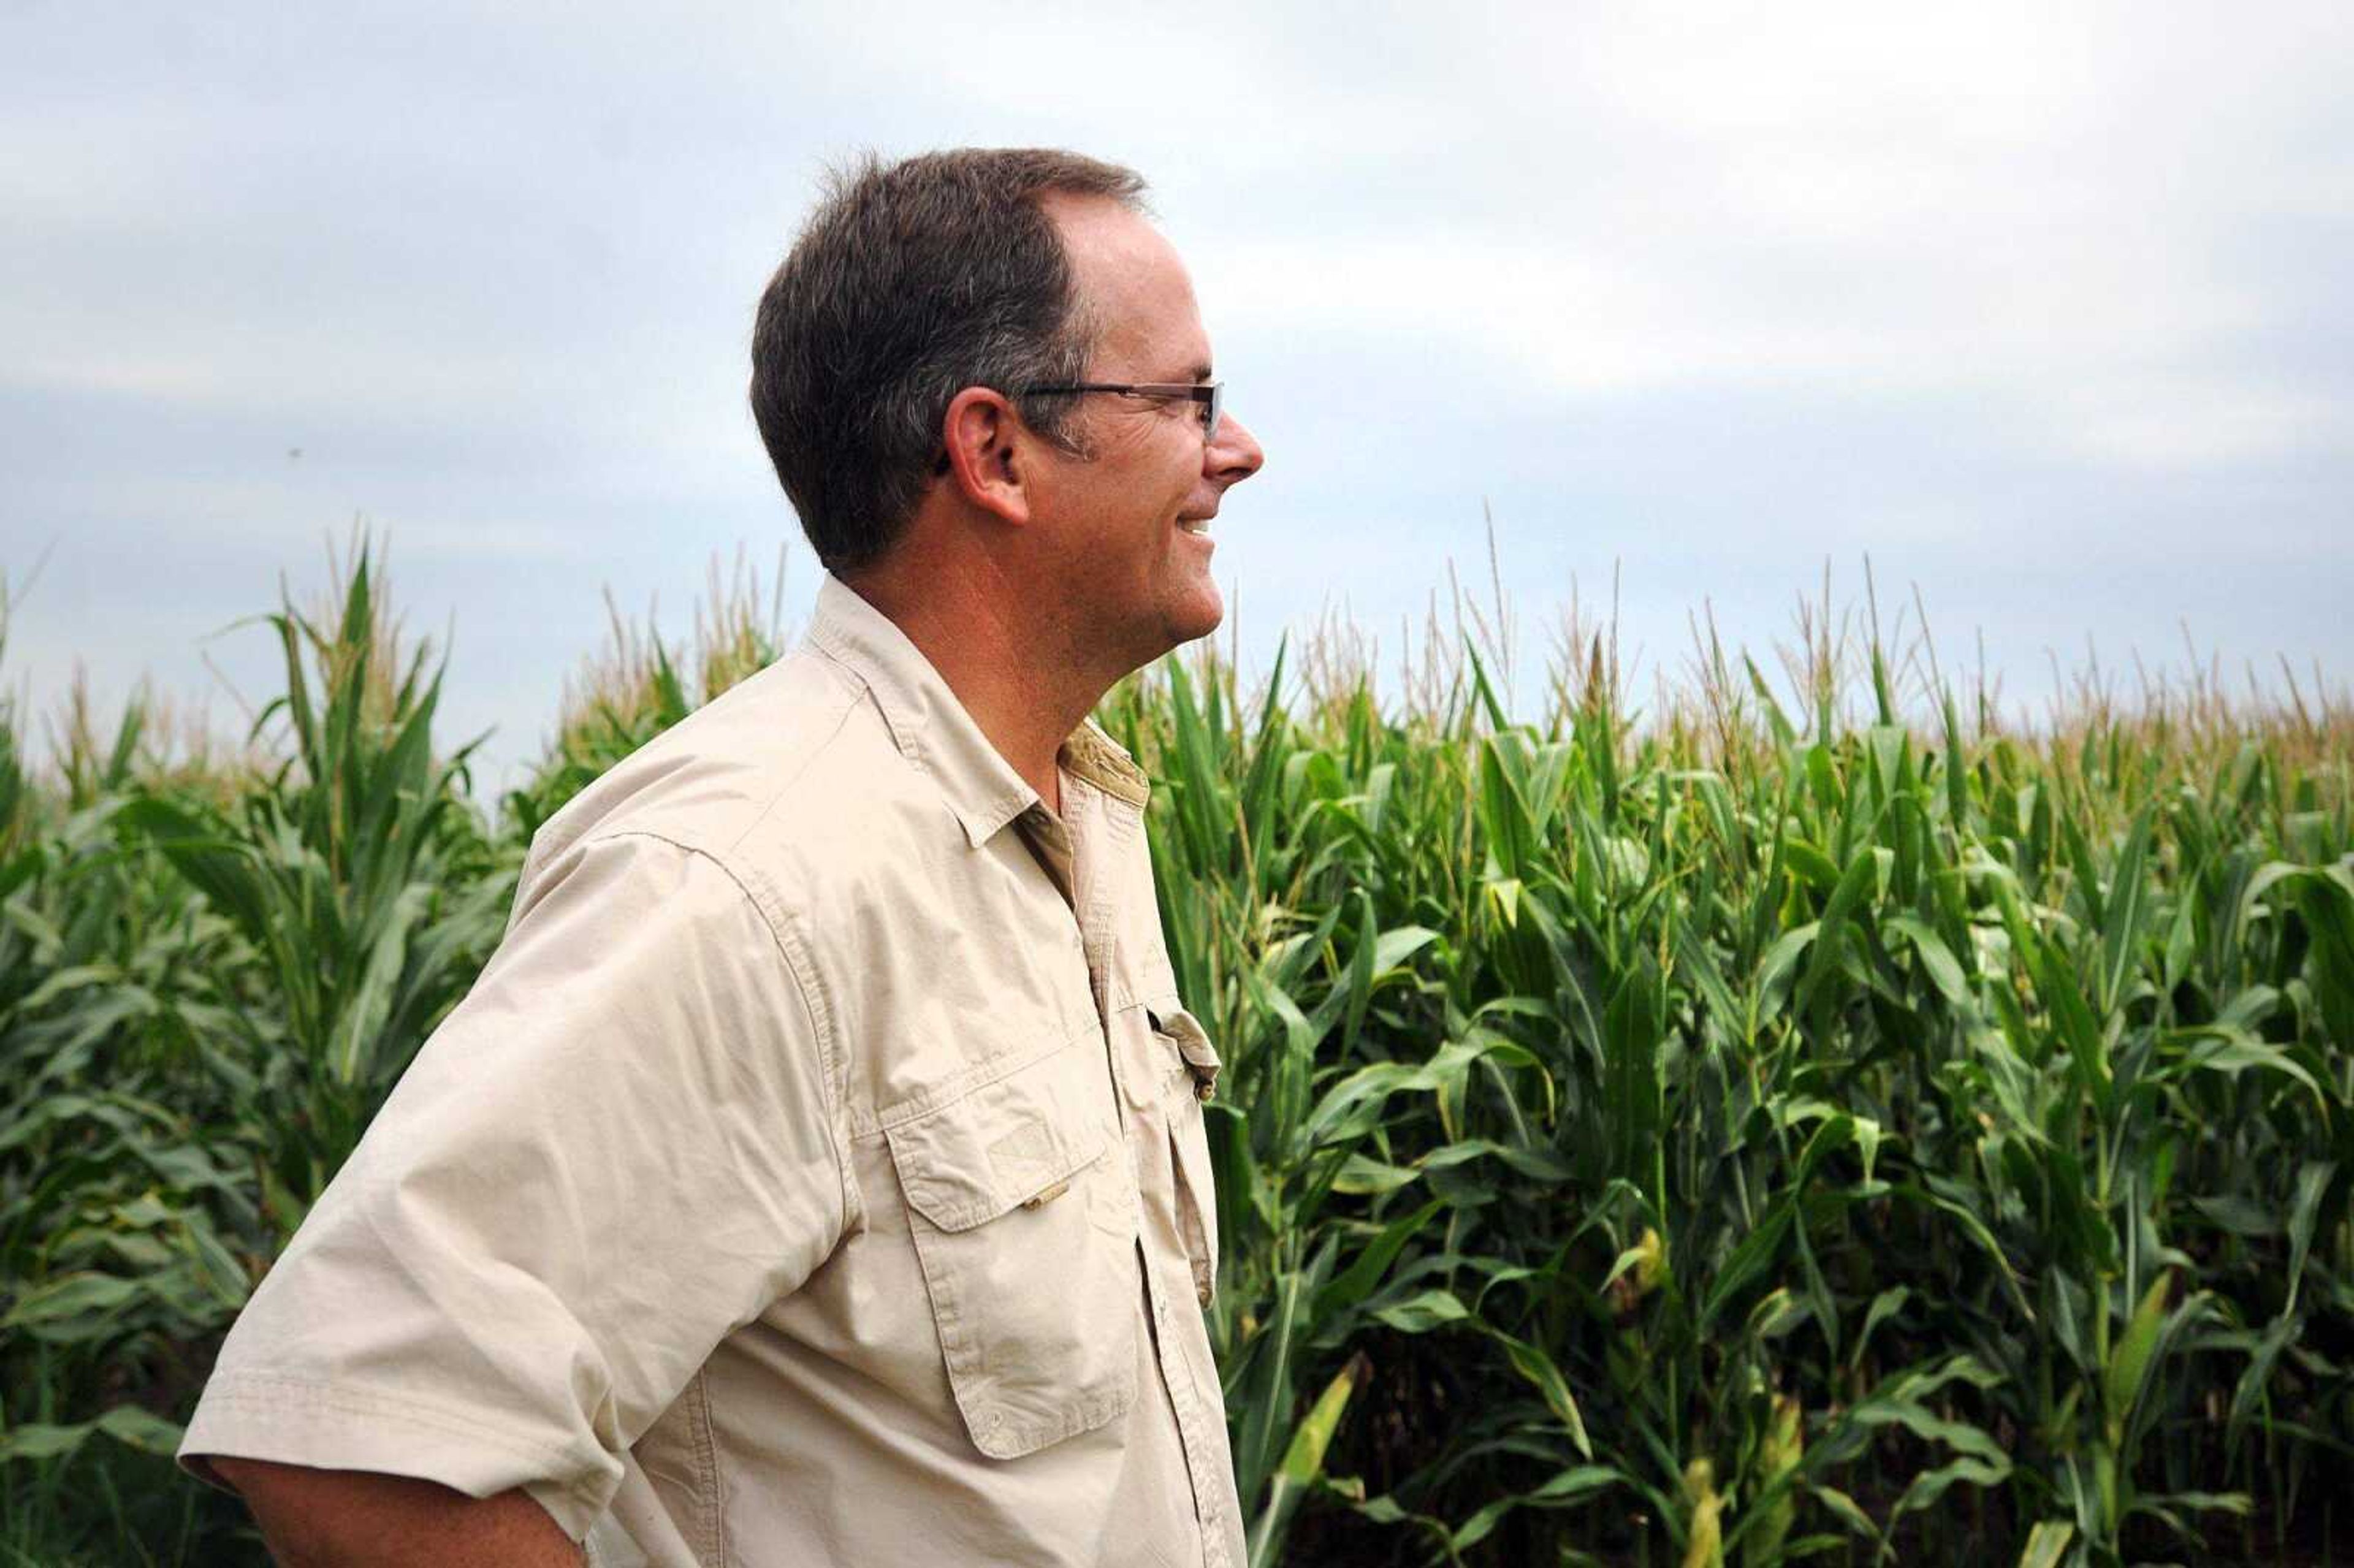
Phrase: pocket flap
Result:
[1192,1043]
[1003,1142]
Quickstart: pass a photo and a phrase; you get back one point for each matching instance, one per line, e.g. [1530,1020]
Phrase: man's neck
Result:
[1025,693]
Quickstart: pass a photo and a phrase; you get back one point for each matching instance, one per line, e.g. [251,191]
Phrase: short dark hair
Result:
[911,281]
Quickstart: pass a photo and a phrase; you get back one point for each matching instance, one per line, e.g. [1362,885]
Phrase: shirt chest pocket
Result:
[1023,1221]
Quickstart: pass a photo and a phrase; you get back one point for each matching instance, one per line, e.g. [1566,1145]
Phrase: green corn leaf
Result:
[1421,1313]
[2129,1359]
[2047,1544]
[2126,915]
[1937,960]
[1531,1362]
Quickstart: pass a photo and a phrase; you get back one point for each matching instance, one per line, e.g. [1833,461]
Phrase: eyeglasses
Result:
[1210,395]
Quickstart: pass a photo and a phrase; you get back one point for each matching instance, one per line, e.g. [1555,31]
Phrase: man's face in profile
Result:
[1132,519]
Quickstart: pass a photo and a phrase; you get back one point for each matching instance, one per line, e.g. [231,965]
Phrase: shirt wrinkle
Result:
[836,1113]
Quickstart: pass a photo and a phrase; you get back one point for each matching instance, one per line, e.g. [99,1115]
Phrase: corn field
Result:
[1804,1116]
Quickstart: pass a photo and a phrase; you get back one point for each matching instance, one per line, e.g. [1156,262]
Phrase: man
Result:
[816,1175]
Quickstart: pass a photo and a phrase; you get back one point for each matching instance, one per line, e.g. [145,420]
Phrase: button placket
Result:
[1120,821]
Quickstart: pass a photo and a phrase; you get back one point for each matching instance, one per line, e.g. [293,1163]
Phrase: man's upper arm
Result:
[620,1147]
[344,1519]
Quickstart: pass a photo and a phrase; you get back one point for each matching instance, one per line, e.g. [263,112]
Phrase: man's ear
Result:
[988,450]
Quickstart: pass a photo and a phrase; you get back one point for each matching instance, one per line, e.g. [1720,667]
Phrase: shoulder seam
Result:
[536,854]
[768,807]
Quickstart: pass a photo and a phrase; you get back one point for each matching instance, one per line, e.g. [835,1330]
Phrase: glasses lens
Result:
[1212,407]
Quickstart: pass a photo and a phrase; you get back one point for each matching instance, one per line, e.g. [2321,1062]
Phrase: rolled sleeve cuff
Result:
[344,1426]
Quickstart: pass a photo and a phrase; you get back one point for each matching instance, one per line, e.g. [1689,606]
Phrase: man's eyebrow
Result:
[1202,372]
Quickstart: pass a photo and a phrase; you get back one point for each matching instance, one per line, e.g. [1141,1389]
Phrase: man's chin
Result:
[1200,613]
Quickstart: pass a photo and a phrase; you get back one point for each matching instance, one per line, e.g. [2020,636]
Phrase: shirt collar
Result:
[932,729]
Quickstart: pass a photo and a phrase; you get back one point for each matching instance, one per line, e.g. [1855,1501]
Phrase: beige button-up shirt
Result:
[815,1175]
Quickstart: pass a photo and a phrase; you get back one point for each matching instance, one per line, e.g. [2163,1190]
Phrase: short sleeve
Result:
[620,1147]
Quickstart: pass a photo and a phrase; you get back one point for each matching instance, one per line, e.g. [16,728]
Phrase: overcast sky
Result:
[2043,306]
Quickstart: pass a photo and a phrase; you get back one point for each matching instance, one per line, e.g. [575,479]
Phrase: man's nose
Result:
[1234,453]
